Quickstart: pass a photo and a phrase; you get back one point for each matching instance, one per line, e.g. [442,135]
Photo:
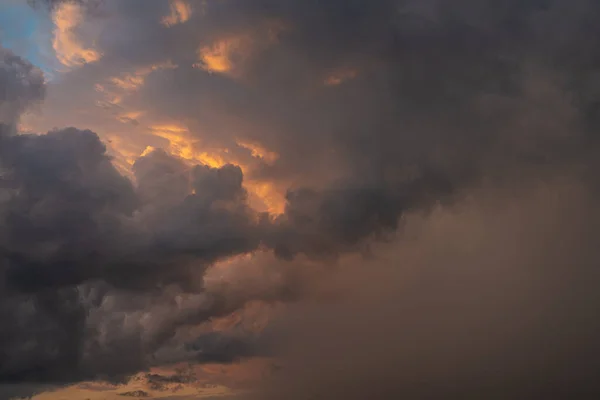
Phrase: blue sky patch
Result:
[28,32]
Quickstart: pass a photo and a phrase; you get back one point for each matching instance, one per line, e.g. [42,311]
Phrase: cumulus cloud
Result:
[69,220]
[74,232]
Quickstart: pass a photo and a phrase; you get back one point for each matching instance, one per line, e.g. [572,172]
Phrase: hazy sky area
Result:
[285,199]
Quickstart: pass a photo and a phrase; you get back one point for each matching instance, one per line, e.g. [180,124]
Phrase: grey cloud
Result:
[51,4]
[448,96]
[21,85]
[69,220]
[65,207]
[82,247]
[494,297]
[218,347]
[457,81]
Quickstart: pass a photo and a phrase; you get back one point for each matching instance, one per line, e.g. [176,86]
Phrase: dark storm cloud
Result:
[447,96]
[219,347]
[74,233]
[69,216]
[68,220]
[452,94]
[496,298]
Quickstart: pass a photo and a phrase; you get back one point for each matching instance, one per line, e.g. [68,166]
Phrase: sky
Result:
[275,199]
[27,32]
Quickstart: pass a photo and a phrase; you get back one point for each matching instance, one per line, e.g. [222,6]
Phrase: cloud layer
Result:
[494,298]
[356,115]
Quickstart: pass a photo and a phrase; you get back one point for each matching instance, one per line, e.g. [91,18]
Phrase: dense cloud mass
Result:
[69,219]
[496,298]
[382,113]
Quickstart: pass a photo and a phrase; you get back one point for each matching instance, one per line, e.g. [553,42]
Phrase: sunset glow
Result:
[69,50]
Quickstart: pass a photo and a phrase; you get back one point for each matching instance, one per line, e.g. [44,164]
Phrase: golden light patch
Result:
[115,89]
[340,76]
[228,54]
[182,145]
[138,386]
[130,116]
[111,98]
[180,12]
[220,57]
[123,149]
[169,130]
[69,49]
[147,150]
[212,160]
[263,196]
[259,151]
[128,82]
[133,81]
[177,136]
[272,198]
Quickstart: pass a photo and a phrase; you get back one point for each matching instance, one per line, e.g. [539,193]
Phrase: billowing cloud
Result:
[345,119]
[69,219]
[494,297]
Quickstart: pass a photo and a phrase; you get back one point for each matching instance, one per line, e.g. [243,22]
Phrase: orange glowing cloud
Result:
[176,139]
[258,151]
[68,47]
[111,98]
[138,386]
[115,89]
[219,57]
[228,54]
[263,195]
[128,82]
[182,145]
[147,150]
[126,151]
[130,116]
[131,82]
[272,198]
[180,12]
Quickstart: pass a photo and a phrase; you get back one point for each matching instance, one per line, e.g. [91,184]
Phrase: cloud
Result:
[492,297]
[365,114]
[180,12]
[75,233]
[22,86]
[69,50]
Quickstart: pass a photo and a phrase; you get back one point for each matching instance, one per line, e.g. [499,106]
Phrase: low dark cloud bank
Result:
[496,298]
[452,101]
